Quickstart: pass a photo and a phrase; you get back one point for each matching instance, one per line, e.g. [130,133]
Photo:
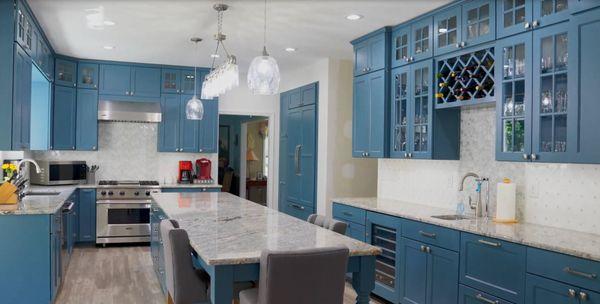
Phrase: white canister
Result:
[506,202]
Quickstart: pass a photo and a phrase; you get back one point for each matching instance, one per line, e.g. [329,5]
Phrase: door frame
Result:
[272,154]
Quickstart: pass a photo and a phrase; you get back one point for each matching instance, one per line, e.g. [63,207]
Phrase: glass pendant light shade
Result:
[263,75]
[194,109]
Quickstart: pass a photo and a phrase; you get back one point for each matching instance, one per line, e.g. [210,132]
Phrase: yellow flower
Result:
[5,166]
[13,167]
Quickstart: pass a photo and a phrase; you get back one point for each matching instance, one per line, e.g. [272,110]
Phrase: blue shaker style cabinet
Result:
[115,80]
[582,5]
[130,83]
[209,127]
[65,72]
[514,16]
[168,129]
[369,137]
[87,120]
[447,30]
[371,52]
[64,119]
[21,97]
[87,215]
[87,75]
[181,81]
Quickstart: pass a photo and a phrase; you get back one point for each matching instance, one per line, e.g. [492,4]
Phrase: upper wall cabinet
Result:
[302,96]
[421,39]
[181,81]
[21,100]
[517,16]
[448,30]
[87,120]
[369,134]
[65,72]
[547,12]
[64,119]
[370,52]
[130,83]
[401,46]
[582,5]
[24,28]
[87,75]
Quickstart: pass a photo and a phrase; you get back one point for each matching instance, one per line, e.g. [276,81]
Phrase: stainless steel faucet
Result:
[21,181]
[480,209]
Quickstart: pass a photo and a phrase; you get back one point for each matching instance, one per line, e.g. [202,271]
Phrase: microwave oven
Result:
[59,173]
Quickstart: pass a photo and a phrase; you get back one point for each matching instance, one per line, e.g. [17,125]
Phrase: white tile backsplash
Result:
[560,195]
[128,151]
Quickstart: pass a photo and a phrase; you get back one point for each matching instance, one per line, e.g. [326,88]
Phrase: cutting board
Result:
[7,194]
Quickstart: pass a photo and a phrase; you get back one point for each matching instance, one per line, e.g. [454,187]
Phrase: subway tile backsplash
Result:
[560,195]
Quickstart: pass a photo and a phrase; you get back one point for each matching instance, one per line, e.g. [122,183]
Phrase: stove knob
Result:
[110,193]
[122,193]
[136,193]
[103,193]
[148,193]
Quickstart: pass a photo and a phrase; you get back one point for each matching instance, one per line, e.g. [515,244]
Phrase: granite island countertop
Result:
[225,229]
[40,204]
[184,186]
[580,244]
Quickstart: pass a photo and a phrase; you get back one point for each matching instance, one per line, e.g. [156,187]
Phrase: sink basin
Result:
[451,217]
[41,193]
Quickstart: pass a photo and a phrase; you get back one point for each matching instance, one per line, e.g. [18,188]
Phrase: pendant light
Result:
[226,76]
[263,74]
[194,109]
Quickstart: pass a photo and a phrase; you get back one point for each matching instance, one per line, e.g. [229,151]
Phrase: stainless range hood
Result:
[110,110]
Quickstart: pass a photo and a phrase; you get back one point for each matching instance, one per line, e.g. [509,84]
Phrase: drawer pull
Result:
[572,271]
[346,213]
[572,293]
[493,244]
[427,234]
[583,296]
[297,206]
[483,299]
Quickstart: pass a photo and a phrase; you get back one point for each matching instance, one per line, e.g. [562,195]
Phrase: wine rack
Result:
[467,79]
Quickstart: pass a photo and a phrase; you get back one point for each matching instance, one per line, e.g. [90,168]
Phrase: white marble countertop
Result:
[213,185]
[580,244]
[225,229]
[40,204]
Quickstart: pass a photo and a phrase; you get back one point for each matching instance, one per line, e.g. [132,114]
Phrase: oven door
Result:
[122,218]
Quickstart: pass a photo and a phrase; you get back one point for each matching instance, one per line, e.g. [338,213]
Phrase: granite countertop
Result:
[40,204]
[213,185]
[580,244]
[225,229]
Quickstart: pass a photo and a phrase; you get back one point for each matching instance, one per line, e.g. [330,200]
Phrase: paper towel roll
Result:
[506,199]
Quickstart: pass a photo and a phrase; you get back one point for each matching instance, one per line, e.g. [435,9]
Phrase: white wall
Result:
[560,195]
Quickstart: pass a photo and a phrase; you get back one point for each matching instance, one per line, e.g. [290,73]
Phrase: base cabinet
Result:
[87,215]
[468,295]
[156,245]
[383,231]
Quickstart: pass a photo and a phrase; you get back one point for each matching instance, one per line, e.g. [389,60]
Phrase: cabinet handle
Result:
[200,150]
[583,296]
[409,155]
[93,147]
[483,299]
[297,206]
[346,213]
[367,154]
[534,156]
[95,86]
[427,234]
[411,59]
[126,92]
[572,293]
[73,148]
[405,155]
[525,156]
[297,160]
[132,93]
[535,23]
[493,244]
[527,25]
[74,84]
[572,271]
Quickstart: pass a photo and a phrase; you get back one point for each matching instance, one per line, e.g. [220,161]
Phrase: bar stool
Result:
[328,223]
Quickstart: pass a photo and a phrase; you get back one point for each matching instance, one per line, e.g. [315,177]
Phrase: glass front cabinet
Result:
[87,75]
[534,106]
[516,16]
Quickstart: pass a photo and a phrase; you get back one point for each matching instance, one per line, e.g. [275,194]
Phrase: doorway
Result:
[244,156]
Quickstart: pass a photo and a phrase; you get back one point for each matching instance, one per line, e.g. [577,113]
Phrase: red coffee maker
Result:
[185,172]
[203,171]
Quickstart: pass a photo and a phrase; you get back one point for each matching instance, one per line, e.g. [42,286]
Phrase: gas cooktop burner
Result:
[130,183]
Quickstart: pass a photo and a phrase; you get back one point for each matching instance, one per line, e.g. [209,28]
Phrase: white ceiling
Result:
[158,31]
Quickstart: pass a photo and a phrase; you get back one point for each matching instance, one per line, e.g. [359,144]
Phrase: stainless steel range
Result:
[123,211]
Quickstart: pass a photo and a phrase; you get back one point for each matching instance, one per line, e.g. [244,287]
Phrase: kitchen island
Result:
[228,234]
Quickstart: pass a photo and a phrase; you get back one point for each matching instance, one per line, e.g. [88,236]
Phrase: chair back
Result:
[328,223]
[303,277]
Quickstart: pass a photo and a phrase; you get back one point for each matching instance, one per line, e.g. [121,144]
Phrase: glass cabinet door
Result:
[187,82]
[170,81]
[547,12]
[400,110]
[420,109]
[87,75]
[66,71]
[513,80]
[479,22]
[421,39]
[551,141]
[514,16]
[447,30]
[401,46]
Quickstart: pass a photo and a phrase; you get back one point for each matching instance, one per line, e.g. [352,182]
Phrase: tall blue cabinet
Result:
[298,174]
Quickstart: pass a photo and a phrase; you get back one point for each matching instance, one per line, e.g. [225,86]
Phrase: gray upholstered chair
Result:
[185,284]
[300,277]
[328,223]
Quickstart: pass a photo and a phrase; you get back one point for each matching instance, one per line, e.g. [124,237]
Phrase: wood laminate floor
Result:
[120,275]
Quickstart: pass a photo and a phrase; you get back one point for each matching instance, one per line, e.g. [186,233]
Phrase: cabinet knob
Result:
[527,25]
[534,156]
[132,93]
[572,293]
[583,296]
[200,150]
[74,84]
[95,86]
[93,147]
[535,23]
[411,59]
[126,92]
[367,154]
[525,156]
[73,148]
[409,155]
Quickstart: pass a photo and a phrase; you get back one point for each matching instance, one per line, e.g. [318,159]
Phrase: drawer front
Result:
[541,291]
[468,295]
[354,230]
[298,211]
[493,266]
[565,268]
[348,213]
[431,234]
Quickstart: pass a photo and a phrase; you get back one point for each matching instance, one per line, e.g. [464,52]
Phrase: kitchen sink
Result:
[41,193]
[451,217]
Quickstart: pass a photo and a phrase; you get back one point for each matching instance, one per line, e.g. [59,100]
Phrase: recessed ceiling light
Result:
[214,56]
[354,17]
[290,49]
[109,23]
[109,47]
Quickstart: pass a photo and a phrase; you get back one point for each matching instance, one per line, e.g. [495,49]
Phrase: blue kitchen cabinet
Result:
[209,127]
[421,39]
[115,80]
[188,81]
[478,22]
[370,134]
[513,104]
[181,81]
[44,57]
[548,12]
[371,52]
[383,231]
[188,129]
[401,46]
[582,5]
[354,218]
[145,83]
[447,30]
[284,100]
[87,75]
[540,290]
[87,120]
[302,96]
[416,130]
[428,274]
[514,17]
[493,266]
[170,81]
[21,97]
[66,72]
[24,27]
[55,254]
[64,118]
[468,295]
[156,247]
[87,215]
[295,97]
[168,129]
[75,223]
[584,47]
